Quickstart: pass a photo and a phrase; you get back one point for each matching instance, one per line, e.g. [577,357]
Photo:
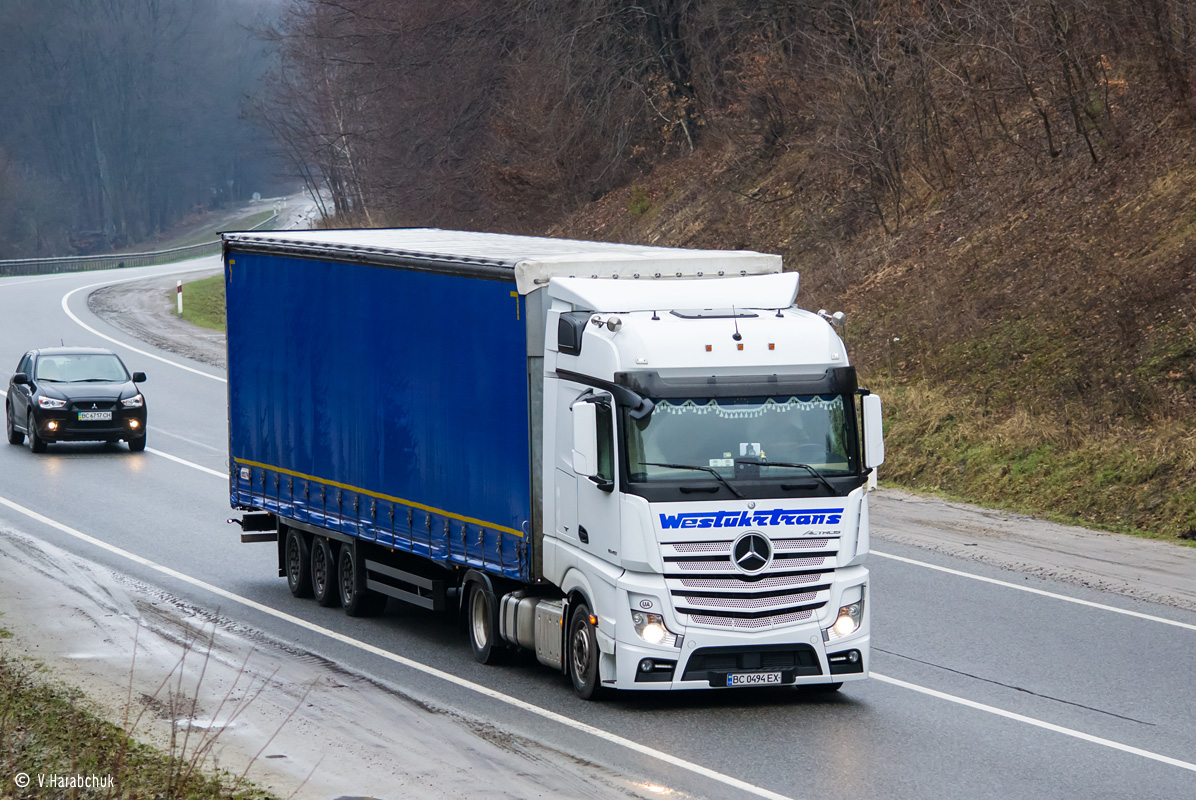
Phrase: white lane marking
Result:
[87,327]
[1087,737]
[185,463]
[659,755]
[1040,592]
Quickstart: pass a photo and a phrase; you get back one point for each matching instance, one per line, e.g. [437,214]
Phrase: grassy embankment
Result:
[47,730]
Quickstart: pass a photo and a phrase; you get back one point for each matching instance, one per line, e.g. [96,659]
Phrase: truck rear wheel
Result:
[582,649]
[298,563]
[323,572]
[482,623]
[357,600]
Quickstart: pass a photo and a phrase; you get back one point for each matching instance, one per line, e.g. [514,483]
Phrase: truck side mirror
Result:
[874,443]
[138,377]
[20,378]
[585,439]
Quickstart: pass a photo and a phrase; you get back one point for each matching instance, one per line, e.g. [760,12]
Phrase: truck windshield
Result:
[715,433]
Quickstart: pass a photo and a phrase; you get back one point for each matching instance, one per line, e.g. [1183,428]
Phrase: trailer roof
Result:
[528,261]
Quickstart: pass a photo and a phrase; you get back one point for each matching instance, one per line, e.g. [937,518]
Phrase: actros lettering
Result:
[746,519]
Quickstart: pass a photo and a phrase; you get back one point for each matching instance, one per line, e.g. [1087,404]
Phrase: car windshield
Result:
[80,368]
[715,433]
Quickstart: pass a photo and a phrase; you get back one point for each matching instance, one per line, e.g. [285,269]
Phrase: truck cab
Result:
[707,453]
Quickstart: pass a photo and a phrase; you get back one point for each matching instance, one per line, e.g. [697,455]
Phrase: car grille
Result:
[74,423]
[706,586]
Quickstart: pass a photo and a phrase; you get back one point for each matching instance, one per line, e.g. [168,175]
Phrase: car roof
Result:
[72,351]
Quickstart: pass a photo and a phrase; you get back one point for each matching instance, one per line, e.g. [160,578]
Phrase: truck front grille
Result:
[794,585]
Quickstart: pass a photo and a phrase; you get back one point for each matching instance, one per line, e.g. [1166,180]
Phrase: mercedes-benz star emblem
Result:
[752,552]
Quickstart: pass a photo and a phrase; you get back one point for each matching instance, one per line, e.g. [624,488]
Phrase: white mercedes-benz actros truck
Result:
[647,465]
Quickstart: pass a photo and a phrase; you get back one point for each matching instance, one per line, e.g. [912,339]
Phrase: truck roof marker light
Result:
[709,347]
[739,346]
[772,346]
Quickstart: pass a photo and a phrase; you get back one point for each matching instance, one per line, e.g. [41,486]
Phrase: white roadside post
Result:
[180,296]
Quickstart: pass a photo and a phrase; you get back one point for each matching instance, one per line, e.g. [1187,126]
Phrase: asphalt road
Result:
[980,688]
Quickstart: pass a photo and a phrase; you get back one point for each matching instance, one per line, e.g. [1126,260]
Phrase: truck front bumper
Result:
[713,658]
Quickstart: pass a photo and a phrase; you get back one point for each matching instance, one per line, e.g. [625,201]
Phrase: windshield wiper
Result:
[711,470]
[92,380]
[806,467]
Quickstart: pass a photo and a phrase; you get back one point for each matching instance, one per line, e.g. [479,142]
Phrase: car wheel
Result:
[357,601]
[482,624]
[298,563]
[14,435]
[583,654]
[36,443]
[323,573]
[137,445]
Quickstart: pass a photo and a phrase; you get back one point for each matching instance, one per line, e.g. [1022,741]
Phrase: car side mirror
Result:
[20,378]
[874,443]
[138,377]
[585,439]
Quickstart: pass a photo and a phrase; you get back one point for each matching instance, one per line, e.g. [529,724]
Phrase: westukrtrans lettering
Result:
[745,519]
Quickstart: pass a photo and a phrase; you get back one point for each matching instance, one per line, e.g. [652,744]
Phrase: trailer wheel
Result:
[482,624]
[583,654]
[357,600]
[323,573]
[298,563]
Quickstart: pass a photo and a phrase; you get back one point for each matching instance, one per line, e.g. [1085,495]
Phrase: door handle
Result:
[583,534]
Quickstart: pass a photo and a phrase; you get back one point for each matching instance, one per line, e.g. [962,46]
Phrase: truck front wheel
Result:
[583,654]
[298,563]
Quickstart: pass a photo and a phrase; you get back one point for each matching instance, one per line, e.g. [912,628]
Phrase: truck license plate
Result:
[753,678]
[86,416]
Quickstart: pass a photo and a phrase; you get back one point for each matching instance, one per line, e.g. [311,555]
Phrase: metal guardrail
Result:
[50,266]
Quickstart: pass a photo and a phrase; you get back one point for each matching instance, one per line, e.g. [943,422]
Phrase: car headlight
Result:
[136,401]
[50,402]
[652,630]
[848,620]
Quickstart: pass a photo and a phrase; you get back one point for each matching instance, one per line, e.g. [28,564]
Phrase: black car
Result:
[74,394]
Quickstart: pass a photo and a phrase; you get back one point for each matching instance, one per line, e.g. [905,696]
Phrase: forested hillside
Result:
[999,192]
[122,118]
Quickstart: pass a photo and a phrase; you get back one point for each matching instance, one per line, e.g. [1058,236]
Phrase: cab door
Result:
[597,501]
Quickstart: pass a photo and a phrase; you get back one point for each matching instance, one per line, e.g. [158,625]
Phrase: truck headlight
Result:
[50,402]
[651,629]
[135,401]
[849,618]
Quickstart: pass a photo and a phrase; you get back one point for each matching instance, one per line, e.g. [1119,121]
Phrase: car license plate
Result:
[91,416]
[753,678]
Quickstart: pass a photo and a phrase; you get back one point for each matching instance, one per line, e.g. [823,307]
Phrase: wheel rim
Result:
[347,587]
[319,570]
[581,654]
[293,560]
[480,620]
